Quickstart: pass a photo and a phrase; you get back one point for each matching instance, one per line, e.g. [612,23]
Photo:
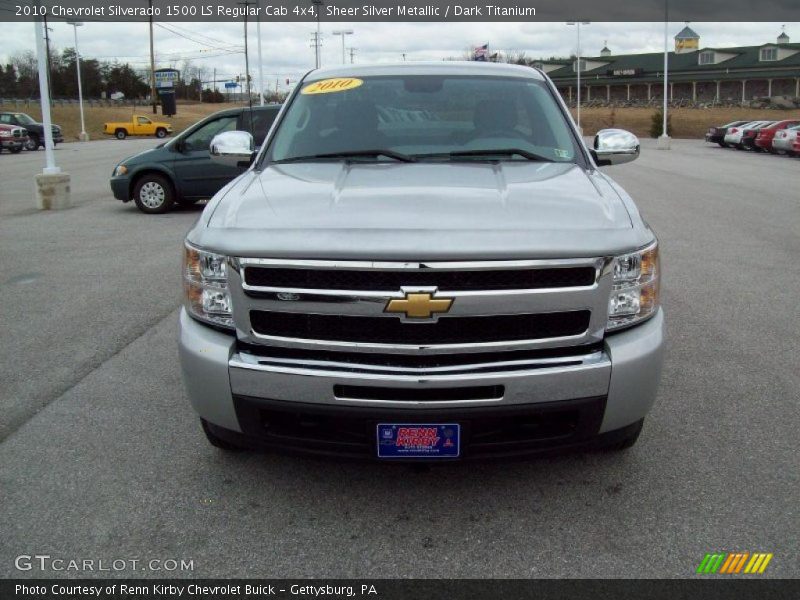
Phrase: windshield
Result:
[424,117]
[24,119]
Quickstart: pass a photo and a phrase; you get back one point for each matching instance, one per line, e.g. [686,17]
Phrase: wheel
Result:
[161,132]
[629,440]
[121,134]
[16,150]
[217,441]
[186,202]
[32,143]
[153,194]
[722,144]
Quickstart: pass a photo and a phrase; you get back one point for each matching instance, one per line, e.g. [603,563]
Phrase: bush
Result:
[213,96]
[657,124]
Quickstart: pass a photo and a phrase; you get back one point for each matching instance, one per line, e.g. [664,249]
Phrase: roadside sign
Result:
[166,78]
[230,84]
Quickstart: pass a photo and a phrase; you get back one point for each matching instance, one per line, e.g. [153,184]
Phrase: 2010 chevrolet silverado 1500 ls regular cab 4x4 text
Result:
[422,262]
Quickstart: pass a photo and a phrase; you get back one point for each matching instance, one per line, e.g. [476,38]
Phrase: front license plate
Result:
[418,440]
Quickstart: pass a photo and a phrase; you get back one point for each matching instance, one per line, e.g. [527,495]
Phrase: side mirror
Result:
[615,147]
[232,148]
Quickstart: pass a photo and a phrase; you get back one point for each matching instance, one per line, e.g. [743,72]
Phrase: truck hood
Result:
[418,211]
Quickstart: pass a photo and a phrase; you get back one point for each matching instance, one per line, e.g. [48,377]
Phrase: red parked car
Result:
[12,138]
[764,138]
[796,146]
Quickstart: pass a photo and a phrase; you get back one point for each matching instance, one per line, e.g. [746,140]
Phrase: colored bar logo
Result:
[733,563]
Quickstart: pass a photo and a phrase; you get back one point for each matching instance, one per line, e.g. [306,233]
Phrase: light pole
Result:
[318,4]
[246,5]
[83,135]
[343,32]
[578,69]
[44,98]
[153,99]
[51,186]
[260,67]
[663,140]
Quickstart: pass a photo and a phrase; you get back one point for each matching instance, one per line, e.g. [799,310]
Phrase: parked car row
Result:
[34,139]
[777,137]
[34,129]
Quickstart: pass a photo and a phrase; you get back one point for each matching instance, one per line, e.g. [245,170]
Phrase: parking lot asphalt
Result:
[102,457]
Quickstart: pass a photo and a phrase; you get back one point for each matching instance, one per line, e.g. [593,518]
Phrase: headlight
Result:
[205,284]
[634,295]
[120,170]
[5,133]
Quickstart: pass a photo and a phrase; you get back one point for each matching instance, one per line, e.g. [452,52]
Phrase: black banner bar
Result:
[402,10]
[706,588]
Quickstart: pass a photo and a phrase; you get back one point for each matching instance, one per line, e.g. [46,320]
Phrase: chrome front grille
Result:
[494,306]
[389,281]
[446,330]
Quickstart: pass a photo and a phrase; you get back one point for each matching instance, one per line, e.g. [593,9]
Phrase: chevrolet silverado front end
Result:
[423,262]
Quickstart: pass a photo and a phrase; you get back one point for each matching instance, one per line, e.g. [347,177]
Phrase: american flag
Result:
[480,52]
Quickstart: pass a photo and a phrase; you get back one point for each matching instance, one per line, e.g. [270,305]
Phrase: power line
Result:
[197,33]
[231,48]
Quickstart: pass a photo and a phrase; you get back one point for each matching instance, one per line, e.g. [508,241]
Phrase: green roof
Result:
[651,65]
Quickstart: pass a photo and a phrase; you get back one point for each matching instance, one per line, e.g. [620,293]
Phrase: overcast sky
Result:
[287,52]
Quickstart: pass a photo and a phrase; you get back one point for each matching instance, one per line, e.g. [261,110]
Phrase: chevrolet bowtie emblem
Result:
[419,305]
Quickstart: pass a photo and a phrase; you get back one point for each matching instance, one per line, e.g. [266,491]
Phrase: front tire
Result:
[153,194]
[217,441]
[121,134]
[161,132]
[16,150]
[33,143]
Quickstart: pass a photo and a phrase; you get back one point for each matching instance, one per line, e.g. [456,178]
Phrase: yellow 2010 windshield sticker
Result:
[328,86]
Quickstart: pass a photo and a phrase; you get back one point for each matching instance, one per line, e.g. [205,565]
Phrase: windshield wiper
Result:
[351,154]
[501,152]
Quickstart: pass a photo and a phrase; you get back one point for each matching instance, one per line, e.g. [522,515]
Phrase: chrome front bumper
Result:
[625,370]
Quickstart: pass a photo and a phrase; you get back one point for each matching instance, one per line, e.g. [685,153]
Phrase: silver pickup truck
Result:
[423,262]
